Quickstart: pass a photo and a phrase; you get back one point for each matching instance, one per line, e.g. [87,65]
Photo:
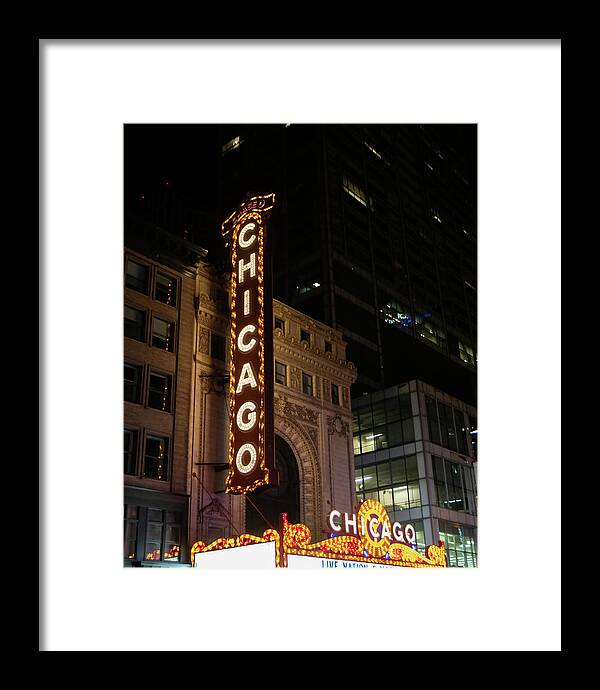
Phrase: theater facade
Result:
[311,416]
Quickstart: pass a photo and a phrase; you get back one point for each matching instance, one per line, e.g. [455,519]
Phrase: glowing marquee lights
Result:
[251,436]
[375,540]
[373,526]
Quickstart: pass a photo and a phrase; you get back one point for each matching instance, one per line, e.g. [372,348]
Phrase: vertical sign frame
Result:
[251,456]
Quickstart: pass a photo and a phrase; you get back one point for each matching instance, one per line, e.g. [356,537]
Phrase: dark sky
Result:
[183,154]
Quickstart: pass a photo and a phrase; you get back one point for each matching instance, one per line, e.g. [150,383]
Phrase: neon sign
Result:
[251,436]
[374,527]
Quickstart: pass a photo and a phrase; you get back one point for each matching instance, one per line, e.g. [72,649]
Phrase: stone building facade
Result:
[313,420]
[159,290]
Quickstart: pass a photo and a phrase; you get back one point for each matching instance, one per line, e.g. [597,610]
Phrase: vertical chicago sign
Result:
[251,436]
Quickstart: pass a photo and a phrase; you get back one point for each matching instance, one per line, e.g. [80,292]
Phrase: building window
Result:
[460,543]
[461,431]
[135,323]
[159,391]
[131,529]
[163,535]
[466,353]
[432,420]
[454,485]
[304,336]
[395,484]
[133,378]
[153,534]
[447,426]
[136,276]
[156,457]
[373,151]
[383,424]
[431,333]
[280,323]
[473,434]
[165,290]
[328,346]
[307,384]
[217,347]
[280,373]
[231,145]
[162,334]
[130,452]
[354,191]
[396,314]
[335,394]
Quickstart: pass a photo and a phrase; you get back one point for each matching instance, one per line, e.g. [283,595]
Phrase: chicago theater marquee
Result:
[257,453]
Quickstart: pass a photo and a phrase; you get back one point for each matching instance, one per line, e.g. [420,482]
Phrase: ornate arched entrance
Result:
[265,507]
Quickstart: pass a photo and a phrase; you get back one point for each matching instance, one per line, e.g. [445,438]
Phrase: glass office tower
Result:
[374,232]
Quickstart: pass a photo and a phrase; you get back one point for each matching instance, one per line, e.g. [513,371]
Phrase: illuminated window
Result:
[130,452]
[163,535]
[395,483]
[307,384]
[135,323]
[165,289]
[396,314]
[460,543]
[281,373]
[355,191]
[431,333]
[136,276]
[436,215]
[217,347]
[335,394]
[156,458]
[159,391]
[383,424]
[373,151]
[132,377]
[153,534]
[466,353]
[231,145]
[163,334]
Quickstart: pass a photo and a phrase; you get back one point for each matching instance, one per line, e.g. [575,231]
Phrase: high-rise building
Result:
[374,232]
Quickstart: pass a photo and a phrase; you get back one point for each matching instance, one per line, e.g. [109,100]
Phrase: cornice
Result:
[325,362]
[333,334]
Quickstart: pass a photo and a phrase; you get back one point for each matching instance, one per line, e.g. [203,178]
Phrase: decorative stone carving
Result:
[307,456]
[336,425]
[285,408]
[213,383]
[203,340]
[295,378]
[312,432]
[326,390]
